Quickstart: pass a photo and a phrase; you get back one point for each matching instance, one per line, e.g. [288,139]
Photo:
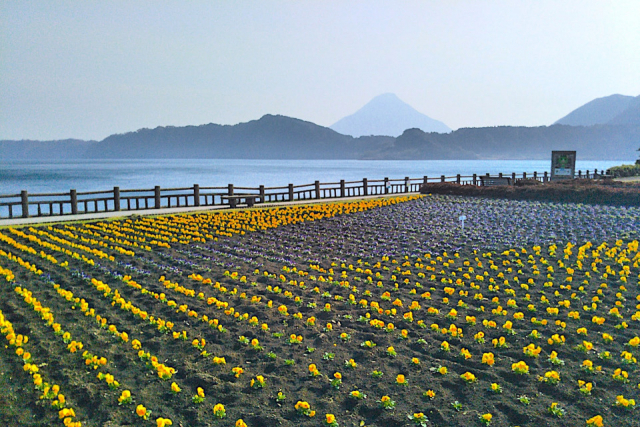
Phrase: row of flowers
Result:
[285,310]
[50,392]
[404,303]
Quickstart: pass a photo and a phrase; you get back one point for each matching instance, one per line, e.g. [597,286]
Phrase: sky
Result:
[88,69]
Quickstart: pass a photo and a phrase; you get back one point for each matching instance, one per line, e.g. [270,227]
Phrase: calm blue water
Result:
[94,175]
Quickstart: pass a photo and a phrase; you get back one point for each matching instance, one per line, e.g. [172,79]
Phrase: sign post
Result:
[563,165]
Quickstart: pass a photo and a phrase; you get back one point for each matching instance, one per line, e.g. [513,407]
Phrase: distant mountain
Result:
[270,137]
[597,112]
[50,150]
[602,142]
[386,114]
[630,116]
[280,137]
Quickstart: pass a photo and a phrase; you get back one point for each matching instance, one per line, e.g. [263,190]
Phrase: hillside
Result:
[386,114]
[630,116]
[270,137]
[596,112]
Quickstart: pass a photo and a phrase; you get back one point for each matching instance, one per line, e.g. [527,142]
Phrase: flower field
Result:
[382,312]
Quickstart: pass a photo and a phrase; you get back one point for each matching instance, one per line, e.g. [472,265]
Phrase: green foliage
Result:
[625,170]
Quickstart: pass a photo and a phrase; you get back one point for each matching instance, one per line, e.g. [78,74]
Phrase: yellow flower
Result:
[303,408]
[595,421]
[175,388]
[302,405]
[219,411]
[520,368]
[162,422]
[400,379]
[488,359]
[125,397]
[330,419]
[142,412]
[65,413]
[468,377]
[241,423]
[313,370]
[625,403]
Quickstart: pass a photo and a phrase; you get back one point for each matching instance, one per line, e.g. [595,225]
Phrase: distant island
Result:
[599,135]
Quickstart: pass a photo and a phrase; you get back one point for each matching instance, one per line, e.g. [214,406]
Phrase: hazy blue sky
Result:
[87,69]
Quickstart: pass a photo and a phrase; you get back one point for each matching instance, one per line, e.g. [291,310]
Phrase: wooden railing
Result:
[26,205]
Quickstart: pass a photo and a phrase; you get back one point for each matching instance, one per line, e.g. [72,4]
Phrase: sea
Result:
[96,175]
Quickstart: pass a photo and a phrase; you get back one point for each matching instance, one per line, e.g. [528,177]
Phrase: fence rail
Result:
[26,205]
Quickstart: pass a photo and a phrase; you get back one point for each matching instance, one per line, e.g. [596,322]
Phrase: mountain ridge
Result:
[630,115]
[270,137]
[601,111]
[282,137]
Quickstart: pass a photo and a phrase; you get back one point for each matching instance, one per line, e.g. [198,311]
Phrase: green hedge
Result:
[625,170]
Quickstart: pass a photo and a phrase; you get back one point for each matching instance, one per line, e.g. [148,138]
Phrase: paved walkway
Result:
[173,211]
[628,179]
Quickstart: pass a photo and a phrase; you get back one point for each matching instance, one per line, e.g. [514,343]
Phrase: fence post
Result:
[535,175]
[156,194]
[386,185]
[365,187]
[500,175]
[524,175]
[290,192]
[316,188]
[262,194]
[441,178]
[116,198]
[545,178]
[587,173]
[425,179]
[342,189]
[406,184]
[74,201]
[196,195]
[513,177]
[475,179]
[24,196]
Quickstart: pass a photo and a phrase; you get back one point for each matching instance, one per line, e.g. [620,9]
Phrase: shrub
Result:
[625,170]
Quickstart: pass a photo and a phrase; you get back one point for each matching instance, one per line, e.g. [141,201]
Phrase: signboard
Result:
[563,165]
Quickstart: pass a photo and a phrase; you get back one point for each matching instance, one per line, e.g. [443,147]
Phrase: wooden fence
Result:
[53,204]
